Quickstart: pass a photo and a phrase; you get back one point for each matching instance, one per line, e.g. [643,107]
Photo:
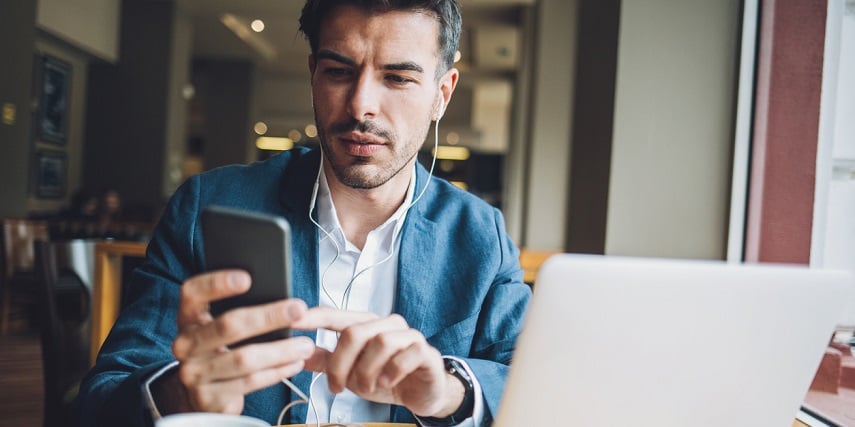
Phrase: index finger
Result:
[332,319]
[198,291]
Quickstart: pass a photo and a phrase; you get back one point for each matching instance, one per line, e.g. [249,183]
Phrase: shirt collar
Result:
[328,216]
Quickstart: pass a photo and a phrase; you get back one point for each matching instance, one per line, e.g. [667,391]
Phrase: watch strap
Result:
[466,408]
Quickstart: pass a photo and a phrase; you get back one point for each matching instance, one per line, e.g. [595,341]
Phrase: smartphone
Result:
[257,243]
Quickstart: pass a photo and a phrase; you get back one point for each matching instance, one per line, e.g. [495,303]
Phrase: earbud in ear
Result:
[441,110]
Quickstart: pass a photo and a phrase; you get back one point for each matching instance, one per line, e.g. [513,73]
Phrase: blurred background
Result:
[633,105]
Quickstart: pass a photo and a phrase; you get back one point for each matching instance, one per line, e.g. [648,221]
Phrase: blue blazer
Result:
[459,283]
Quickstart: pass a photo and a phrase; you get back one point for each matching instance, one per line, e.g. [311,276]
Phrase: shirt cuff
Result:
[477,409]
[146,389]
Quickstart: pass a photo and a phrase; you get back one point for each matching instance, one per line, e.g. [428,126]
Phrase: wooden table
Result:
[531,261]
[107,289]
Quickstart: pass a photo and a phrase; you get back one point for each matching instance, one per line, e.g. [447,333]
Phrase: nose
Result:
[364,102]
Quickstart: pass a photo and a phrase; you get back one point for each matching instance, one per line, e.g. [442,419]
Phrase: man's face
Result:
[375,91]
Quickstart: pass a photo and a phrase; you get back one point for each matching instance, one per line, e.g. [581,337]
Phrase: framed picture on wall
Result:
[54,96]
[50,174]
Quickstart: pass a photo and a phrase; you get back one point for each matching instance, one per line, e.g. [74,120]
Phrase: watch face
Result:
[455,368]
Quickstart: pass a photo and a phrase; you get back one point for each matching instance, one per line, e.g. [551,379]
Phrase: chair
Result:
[65,332]
[17,278]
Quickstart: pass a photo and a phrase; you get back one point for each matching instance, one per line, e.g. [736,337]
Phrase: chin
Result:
[355,177]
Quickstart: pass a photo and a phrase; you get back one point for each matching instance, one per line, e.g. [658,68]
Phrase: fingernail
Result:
[237,280]
[306,347]
[295,311]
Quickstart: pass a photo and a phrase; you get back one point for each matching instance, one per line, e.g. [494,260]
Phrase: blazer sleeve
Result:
[140,342]
[499,323]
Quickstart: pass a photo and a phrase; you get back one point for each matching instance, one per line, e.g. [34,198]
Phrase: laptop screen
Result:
[620,341]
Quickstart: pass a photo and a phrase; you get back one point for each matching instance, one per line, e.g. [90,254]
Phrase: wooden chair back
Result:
[18,262]
[19,236]
[64,339]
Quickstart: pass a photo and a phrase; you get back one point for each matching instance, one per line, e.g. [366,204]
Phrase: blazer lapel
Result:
[417,299]
[295,194]
[414,300]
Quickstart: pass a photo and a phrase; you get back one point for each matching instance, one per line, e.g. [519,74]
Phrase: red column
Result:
[786,131]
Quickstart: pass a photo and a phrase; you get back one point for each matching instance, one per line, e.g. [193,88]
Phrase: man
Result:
[416,288]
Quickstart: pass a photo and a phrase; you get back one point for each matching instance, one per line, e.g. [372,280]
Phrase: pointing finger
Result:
[332,319]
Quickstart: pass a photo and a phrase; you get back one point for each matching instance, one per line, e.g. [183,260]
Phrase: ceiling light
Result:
[295,135]
[311,131]
[257,25]
[260,128]
[188,91]
[452,153]
[241,28]
[452,138]
[274,144]
[457,56]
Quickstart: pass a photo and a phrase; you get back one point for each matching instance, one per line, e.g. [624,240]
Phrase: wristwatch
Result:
[457,370]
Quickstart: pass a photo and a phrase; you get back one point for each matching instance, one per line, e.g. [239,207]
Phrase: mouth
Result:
[361,144]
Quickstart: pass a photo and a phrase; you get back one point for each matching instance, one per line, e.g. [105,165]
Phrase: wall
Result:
[70,33]
[221,110]
[73,148]
[669,184]
[549,128]
[132,122]
[181,50]
[17,37]
[91,25]
[516,162]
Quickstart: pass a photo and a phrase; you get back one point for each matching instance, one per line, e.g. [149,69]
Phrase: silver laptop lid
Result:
[631,342]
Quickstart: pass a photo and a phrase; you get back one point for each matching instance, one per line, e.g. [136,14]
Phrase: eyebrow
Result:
[398,66]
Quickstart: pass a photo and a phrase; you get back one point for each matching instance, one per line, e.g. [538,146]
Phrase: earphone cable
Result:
[346,295]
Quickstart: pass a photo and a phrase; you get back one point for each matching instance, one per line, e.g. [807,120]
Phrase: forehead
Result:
[350,30]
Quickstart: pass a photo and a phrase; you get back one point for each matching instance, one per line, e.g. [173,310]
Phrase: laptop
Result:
[612,341]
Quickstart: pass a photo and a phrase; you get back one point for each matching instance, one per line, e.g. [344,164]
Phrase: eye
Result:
[398,79]
[337,72]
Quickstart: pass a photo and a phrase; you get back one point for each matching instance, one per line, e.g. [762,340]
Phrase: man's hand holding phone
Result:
[215,377]
[233,321]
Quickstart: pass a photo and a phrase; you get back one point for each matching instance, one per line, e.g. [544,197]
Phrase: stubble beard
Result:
[356,172]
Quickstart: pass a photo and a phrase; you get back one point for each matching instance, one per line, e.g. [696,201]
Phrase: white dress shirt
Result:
[373,272]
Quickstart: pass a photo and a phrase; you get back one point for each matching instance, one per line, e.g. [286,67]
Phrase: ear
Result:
[447,84]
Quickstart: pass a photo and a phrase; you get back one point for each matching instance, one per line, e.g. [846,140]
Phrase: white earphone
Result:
[441,110]
[346,296]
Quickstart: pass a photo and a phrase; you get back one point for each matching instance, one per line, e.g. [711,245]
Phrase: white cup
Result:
[204,419]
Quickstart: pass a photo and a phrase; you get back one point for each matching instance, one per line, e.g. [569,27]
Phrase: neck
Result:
[362,210]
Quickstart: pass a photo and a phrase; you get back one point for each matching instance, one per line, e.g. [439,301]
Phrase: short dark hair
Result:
[447,13]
